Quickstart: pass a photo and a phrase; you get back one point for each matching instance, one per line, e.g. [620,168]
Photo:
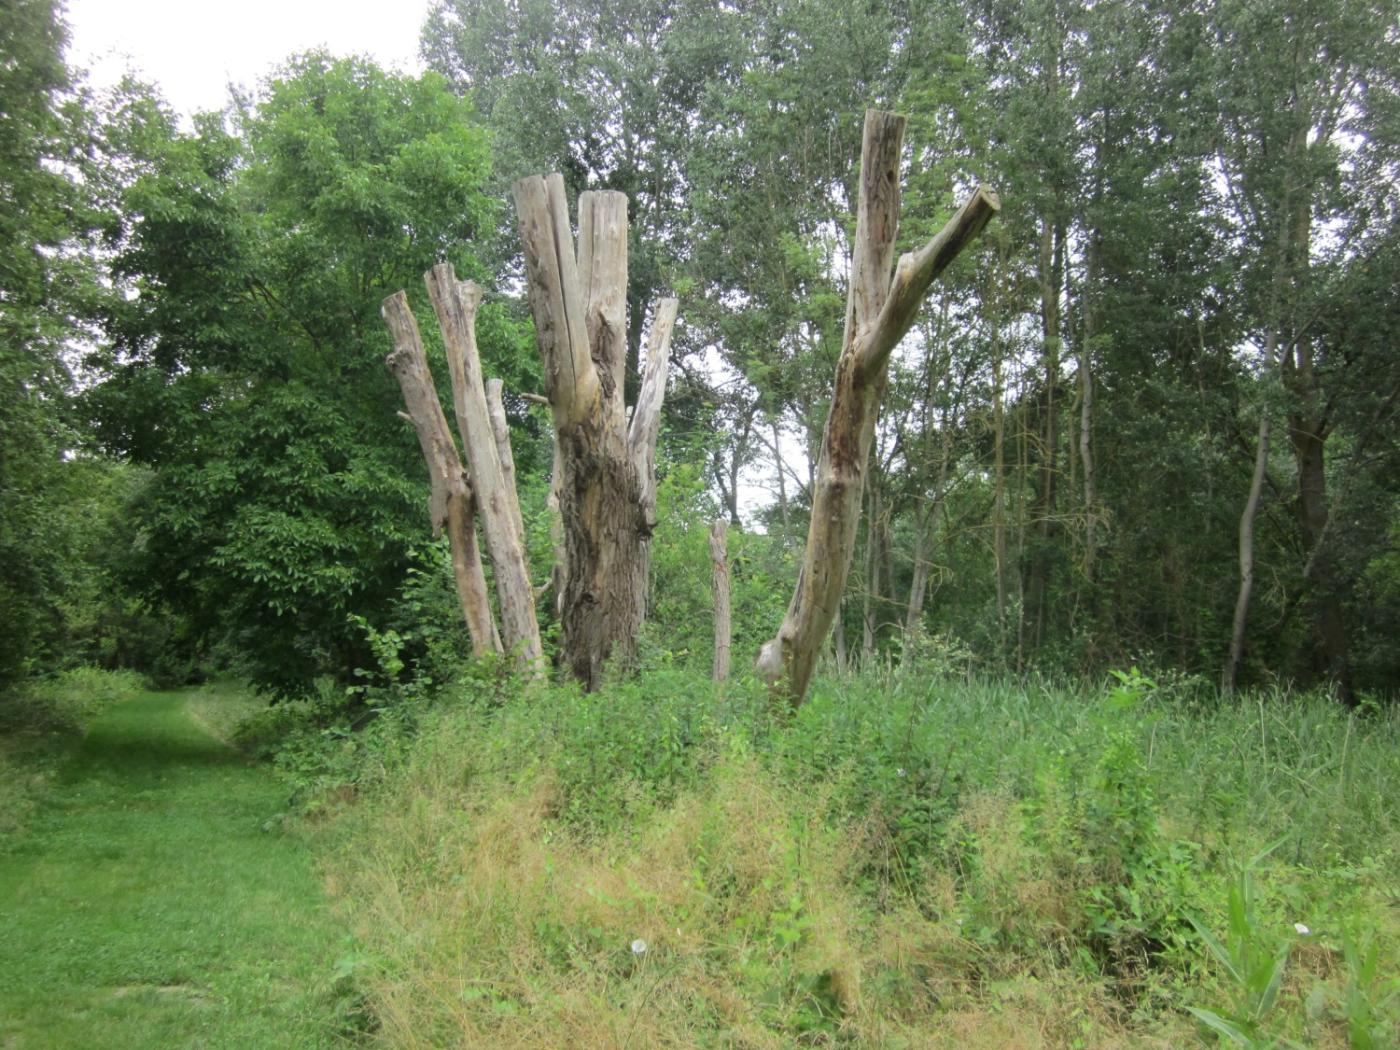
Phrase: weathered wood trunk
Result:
[879,311]
[719,563]
[451,503]
[606,483]
[455,303]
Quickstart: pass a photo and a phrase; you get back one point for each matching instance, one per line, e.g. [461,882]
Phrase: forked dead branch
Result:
[879,311]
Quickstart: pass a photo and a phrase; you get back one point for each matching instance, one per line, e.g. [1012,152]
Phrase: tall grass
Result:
[908,860]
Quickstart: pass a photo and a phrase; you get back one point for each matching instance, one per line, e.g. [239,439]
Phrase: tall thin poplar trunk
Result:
[719,562]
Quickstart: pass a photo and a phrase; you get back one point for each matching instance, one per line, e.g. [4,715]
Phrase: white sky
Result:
[194,49]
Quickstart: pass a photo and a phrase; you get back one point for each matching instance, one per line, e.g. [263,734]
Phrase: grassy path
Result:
[145,906]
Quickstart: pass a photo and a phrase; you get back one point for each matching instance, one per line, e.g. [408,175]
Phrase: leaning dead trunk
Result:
[719,562]
[606,481]
[451,503]
[879,311]
[455,303]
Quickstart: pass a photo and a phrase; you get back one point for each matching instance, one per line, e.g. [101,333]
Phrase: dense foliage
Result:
[245,363]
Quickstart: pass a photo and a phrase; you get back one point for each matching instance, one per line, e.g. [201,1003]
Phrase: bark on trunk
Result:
[879,312]
[719,562]
[451,504]
[1041,561]
[455,303]
[918,588]
[1086,413]
[870,602]
[999,490]
[606,483]
[1230,674]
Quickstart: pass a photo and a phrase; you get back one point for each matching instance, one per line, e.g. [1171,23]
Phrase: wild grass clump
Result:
[905,862]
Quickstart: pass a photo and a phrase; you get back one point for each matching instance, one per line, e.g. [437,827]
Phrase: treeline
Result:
[1176,344]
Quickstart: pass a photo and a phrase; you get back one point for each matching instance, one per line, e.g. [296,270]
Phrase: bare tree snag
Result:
[879,311]
[602,265]
[604,476]
[719,562]
[455,303]
[450,503]
[646,414]
[500,430]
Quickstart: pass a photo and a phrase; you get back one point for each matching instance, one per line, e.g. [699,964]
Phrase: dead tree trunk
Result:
[879,311]
[455,303]
[606,481]
[719,562]
[450,501]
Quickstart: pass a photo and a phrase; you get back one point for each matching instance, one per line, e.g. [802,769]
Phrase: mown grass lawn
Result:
[145,905]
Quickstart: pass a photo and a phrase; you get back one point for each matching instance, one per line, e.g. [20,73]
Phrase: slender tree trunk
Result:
[870,600]
[914,614]
[838,638]
[736,463]
[719,562]
[784,514]
[1230,674]
[451,503]
[999,488]
[925,525]
[879,312]
[1308,434]
[1086,412]
[1279,284]
[1042,557]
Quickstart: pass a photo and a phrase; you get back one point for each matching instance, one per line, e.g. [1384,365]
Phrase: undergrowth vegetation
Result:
[909,860]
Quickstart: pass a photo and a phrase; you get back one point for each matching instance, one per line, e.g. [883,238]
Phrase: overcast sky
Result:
[194,49]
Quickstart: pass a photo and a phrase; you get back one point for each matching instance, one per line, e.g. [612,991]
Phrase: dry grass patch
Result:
[729,917]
